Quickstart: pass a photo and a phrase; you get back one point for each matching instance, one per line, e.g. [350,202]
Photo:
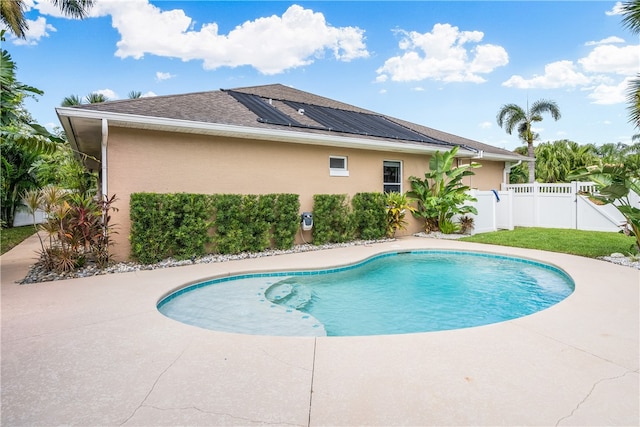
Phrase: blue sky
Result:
[448,65]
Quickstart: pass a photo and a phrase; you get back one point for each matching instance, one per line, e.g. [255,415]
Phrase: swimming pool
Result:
[391,293]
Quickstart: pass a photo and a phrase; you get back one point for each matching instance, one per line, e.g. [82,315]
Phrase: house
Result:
[259,140]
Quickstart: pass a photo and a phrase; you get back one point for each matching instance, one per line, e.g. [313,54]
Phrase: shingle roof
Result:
[221,107]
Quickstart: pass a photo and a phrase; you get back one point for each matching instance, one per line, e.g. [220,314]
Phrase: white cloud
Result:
[616,10]
[108,93]
[612,59]
[36,31]
[149,94]
[382,91]
[270,44]
[485,125]
[160,76]
[599,73]
[605,94]
[418,89]
[608,40]
[442,55]
[556,75]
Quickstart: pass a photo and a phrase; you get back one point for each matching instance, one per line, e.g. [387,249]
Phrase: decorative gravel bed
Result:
[38,274]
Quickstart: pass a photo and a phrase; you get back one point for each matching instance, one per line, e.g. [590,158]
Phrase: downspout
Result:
[103,144]
[507,169]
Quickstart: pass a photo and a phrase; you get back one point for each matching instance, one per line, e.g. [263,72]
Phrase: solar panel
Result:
[360,123]
[266,113]
[332,119]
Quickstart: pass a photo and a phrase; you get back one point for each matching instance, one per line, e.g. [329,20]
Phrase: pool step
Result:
[289,293]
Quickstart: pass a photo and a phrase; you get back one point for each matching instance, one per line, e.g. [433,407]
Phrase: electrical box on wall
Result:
[307,221]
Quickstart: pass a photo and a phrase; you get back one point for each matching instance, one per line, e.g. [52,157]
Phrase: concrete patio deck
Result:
[96,352]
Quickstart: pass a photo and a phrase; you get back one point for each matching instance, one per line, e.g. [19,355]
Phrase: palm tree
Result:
[15,123]
[95,98]
[631,15]
[12,13]
[512,116]
[71,100]
[92,98]
[631,21]
[135,94]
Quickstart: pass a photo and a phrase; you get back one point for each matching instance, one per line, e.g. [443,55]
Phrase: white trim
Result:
[103,149]
[234,131]
[401,174]
[344,171]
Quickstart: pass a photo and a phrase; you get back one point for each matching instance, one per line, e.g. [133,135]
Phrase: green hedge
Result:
[370,215]
[332,220]
[183,225]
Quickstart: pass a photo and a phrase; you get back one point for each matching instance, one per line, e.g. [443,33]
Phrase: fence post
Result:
[536,212]
[574,192]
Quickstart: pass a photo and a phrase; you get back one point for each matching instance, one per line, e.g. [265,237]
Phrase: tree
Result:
[631,21]
[631,16]
[512,116]
[12,13]
[16,124]
[16,176]
[93,98]
[614,183]
[555,160]
[71,100]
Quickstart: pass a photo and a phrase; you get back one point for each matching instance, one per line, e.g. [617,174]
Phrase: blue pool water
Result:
[392,293]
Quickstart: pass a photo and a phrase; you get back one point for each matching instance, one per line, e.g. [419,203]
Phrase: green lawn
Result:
[577,242]
[10,237]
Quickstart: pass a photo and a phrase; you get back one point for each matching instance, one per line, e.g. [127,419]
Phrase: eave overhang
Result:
[84,128]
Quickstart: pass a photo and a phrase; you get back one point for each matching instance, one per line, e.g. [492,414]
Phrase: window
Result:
[392,176]
[338,166]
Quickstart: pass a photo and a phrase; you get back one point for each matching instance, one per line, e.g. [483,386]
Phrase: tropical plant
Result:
[631,15]
[70,101]
[466,224]
[96,98]
[512,116]
[16,176]
[631,21]
[442,194]
[397,208]
[15,123]
[63,169]
[93,98]
[78,227]
[614,183]
[555,160]
[12,13]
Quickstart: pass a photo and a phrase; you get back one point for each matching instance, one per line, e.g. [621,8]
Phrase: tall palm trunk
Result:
[532,165]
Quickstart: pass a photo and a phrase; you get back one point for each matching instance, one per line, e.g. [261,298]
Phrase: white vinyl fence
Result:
[546,205]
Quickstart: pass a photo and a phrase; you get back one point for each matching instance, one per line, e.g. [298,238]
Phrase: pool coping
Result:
[95,351]
[251,327]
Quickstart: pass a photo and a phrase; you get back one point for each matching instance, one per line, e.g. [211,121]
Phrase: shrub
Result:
[441,194]
[78,227]
[286,220]
[331,219]
[186,225]
[369,216]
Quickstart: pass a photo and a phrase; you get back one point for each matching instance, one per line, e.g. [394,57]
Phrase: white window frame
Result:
[339,171]
[384,183]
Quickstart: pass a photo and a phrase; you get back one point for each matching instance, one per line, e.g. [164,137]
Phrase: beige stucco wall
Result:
[150,161]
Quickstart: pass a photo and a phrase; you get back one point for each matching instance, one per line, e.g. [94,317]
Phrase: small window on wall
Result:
[392,176]
[338,166]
